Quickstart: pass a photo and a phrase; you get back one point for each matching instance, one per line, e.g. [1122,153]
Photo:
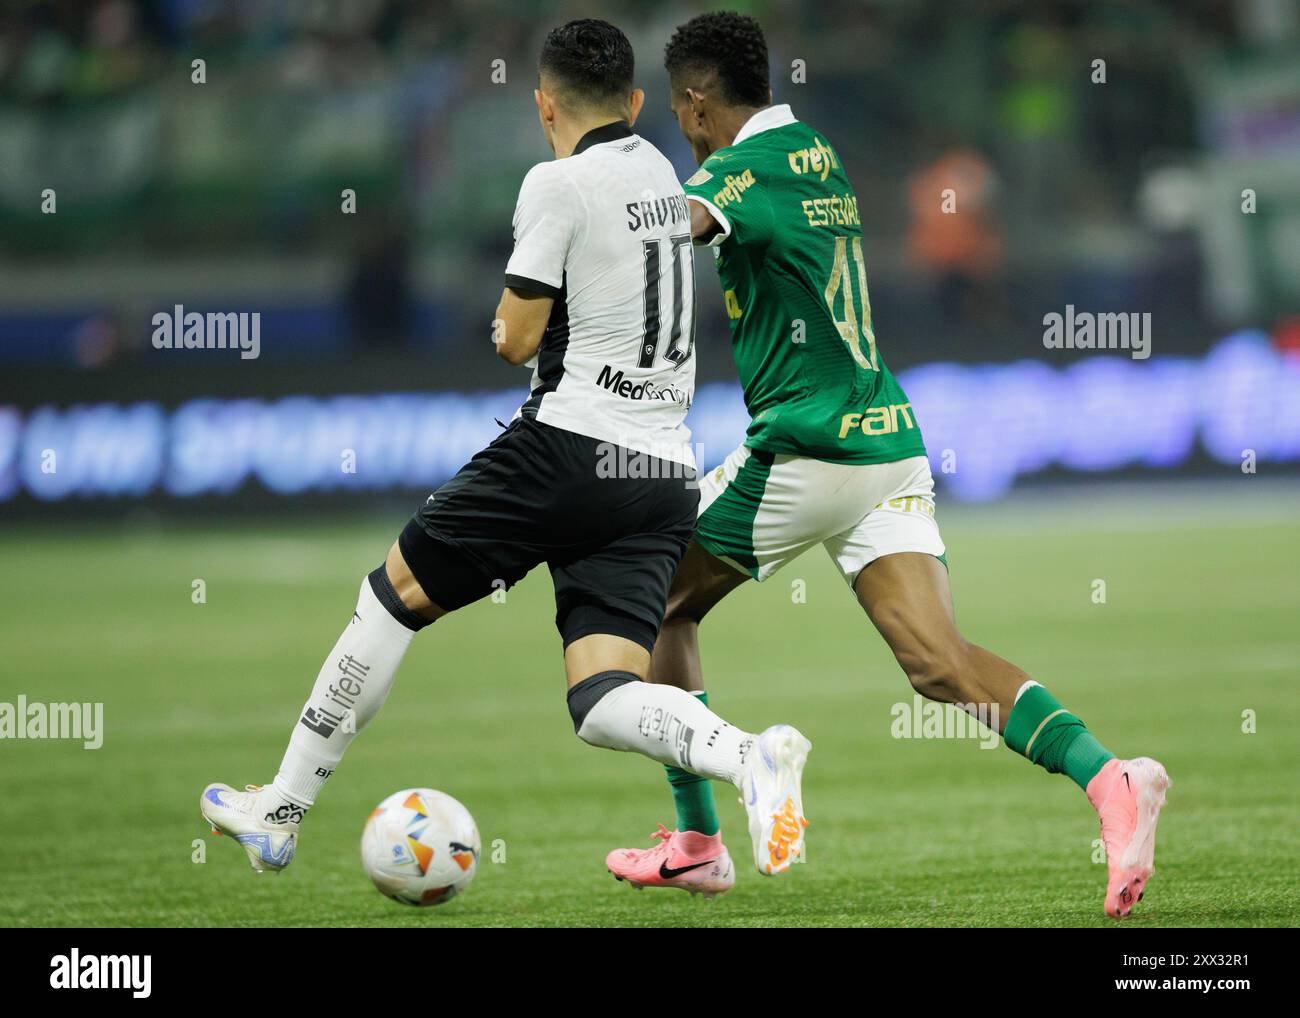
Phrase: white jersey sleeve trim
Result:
[718,217]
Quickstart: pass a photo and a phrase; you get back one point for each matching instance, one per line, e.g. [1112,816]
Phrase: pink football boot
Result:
[694,862]
[1128,795]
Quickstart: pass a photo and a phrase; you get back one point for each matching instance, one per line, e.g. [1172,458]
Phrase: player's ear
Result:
[696,101]
[636,104]
[545,116]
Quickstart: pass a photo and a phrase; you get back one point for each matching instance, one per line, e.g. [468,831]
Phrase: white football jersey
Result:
[607,234]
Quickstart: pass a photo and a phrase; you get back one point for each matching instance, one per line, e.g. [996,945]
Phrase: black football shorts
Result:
[611,528]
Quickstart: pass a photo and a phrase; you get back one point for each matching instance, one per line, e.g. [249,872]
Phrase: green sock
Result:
[693,796]
[1045,733]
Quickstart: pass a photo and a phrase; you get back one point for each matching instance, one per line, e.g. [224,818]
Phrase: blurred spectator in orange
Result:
[955,234]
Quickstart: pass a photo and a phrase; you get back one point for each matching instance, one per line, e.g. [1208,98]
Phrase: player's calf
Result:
[616,710]
[908,598]
[939,671]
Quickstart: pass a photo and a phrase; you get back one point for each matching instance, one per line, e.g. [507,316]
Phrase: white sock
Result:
[352,685]
[669,725]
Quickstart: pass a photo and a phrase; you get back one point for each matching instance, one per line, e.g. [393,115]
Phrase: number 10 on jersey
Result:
[683,319]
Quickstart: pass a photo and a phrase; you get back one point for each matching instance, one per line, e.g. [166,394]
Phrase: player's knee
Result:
[395,580]
[937,672]
[381,586]
[584,695]
[396,590]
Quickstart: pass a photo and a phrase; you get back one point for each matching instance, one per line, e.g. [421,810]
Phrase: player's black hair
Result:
[590,60]
[727,46]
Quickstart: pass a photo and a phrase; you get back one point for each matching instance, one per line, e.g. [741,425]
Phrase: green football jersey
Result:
[795,289]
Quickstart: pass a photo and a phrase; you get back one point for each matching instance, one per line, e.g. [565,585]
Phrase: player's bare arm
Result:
[520,324]
[703,226]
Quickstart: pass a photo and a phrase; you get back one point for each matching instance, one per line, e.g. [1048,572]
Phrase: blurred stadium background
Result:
[1121,196]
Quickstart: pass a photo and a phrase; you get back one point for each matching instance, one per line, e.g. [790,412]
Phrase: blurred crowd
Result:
[1053,115]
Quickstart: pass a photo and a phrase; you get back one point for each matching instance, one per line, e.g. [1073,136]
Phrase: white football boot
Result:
[771,794]
[270,845]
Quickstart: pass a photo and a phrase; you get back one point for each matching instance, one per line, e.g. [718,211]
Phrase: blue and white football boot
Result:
[270,843]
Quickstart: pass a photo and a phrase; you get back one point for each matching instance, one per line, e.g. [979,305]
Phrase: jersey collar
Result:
[765,120]
[599,135]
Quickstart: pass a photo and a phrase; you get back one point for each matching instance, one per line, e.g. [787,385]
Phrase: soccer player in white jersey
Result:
[594,477]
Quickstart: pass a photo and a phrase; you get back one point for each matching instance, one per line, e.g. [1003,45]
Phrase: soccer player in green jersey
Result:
[833,456]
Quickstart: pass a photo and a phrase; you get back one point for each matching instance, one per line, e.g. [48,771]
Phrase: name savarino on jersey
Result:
[670,211]
[612,380]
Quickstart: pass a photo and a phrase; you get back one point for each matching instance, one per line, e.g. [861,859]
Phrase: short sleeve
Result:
[734,197]
[546,219]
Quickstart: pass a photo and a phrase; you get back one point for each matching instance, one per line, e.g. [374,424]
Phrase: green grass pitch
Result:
[1198,626]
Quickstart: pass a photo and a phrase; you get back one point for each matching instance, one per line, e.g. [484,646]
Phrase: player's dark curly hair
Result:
[590,60]
[725,45]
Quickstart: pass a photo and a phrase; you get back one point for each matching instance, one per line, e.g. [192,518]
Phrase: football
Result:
[420,847]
